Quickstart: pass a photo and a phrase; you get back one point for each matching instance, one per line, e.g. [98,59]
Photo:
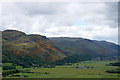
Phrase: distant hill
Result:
[27,50]
[91,49]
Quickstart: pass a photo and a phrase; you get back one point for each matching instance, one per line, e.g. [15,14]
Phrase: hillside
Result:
[20,48]
[33,49]
[91,49]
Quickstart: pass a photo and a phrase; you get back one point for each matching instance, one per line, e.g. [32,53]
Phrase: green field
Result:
[69,71]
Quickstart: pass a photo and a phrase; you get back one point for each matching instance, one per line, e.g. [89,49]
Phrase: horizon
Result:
[62,37]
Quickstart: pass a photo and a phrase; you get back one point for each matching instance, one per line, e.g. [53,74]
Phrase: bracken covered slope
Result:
[20,47]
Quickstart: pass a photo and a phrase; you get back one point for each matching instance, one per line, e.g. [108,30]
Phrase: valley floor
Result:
[95,69]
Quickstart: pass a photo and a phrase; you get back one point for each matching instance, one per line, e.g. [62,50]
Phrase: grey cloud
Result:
[67,13]
[40,8]
[112,13]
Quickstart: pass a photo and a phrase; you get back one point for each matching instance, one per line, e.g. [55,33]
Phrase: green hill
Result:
[33,49]
[87,49]
[23,49]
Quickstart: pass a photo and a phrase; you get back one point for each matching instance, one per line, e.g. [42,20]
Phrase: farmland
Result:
[70,71]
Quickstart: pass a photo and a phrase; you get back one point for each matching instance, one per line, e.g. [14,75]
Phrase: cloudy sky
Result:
[93,20]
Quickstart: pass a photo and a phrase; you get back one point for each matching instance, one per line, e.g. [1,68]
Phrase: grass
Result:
[67,71]
[6,64]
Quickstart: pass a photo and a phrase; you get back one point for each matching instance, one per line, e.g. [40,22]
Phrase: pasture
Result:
[70,71]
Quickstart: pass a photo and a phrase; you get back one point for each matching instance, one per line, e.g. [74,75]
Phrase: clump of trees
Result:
[73,59]
[113,64]
[25,62]
[6,73]
[113,71]
[8,67]
[13,66]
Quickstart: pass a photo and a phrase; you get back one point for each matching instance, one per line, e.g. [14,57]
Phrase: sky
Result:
[91,20]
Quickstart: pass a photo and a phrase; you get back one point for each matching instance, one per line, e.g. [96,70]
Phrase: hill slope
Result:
[27,50]
[21,48]
[94,49]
